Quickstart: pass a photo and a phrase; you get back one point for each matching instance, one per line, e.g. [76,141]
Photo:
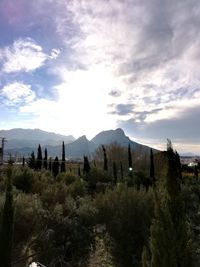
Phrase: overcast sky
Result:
[82,66]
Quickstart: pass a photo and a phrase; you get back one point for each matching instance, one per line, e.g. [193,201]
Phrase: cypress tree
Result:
[50,164]
[63,158]
[169,236]
[86,165]
[152,171]
[105,159]
[179,165]
[7,221]
[130,164]
[55,167]
[23,161]
[32,161]
[79,170]
[39,158]
[45,159]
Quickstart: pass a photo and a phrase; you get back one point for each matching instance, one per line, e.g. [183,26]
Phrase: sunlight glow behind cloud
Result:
[115,63]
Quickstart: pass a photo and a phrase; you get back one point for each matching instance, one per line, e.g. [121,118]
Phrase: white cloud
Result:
[24,55]
[17,93]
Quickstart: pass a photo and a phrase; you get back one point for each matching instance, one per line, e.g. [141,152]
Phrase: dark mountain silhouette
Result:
[22,145]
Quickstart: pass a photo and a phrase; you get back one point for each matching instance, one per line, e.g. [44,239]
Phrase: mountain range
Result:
[24,141]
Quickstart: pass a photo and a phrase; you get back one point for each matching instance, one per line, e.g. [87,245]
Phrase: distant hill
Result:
[24,141]
[20,138]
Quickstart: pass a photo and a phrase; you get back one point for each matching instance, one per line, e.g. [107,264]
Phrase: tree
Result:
[23,161]
[79,170]
[7,221]
[179,165]
[55,167]
[50,164]
[130,164]
[86,165]
[169,236]
[39,158]
[32,161]
[45,159]
[105,159]
[63,158]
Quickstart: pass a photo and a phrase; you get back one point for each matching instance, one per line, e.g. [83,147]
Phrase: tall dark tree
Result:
[105,159]
[45,159]
[39,158]
[63,158]
[130,163]
[7,221]
[179,165]
[55,167]
[23,161]
[50,164]
[152,169]
[86,165]
[79,170]
[32,161]
[169,236]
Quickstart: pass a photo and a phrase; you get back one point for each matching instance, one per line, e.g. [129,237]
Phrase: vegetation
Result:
[85,214]
[62,169]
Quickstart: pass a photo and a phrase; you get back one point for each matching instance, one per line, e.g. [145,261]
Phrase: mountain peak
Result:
[82,138]
[120,131]
[111,136]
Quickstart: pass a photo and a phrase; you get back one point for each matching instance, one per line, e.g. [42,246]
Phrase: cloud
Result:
[16,94]
[123,109]
[24,55]
[115,93]
[181,129]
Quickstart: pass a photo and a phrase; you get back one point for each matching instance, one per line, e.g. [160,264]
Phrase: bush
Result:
[23,179]
[127,214]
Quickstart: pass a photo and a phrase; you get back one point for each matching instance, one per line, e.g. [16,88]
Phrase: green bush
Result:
[127,215]
[23,179]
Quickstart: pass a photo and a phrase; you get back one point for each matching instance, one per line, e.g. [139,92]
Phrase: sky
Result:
[83,66]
